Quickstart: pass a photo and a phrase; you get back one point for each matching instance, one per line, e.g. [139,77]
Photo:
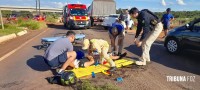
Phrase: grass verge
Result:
[9,29]
[86,85]
[15,26]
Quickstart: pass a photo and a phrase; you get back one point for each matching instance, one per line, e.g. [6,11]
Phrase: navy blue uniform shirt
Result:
[144,19]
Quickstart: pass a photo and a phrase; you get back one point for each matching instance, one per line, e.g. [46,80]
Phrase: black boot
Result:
[112,69]
[118,54]
[122,55]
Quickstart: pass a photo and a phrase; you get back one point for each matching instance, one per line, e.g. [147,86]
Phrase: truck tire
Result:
[65,25]
[69,27]
[89,26]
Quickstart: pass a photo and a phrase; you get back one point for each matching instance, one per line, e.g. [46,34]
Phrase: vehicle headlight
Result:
[71,18]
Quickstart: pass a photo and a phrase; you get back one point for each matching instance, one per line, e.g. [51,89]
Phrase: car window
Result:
[77,12]
[114,16]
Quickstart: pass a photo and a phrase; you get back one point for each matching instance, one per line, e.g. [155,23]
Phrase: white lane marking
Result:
[13,51]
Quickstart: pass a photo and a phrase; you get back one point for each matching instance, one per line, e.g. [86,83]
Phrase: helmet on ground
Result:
[68,78]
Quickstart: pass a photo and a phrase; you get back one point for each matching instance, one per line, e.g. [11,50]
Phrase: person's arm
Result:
[162,18]
[171,17]
[141,23]
[90,62]
[90,50]
[71,56]
[98,47]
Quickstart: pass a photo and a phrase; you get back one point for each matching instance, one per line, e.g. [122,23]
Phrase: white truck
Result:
[99,9]
[108,21]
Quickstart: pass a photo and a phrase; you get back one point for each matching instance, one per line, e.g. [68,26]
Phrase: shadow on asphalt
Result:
[56,26]
[185,61]
[39,47]
[37,63]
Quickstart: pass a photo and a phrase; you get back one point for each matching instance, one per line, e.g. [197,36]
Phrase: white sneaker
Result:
[148,61]
[140,63]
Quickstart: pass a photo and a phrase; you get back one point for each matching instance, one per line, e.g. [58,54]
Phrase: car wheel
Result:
[173,46]
[69,27]
[65,25]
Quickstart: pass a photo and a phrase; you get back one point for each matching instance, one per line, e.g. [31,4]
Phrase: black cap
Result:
[133,10]
[168,9]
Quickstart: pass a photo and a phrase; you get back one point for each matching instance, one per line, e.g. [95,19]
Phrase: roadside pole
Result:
[1,20]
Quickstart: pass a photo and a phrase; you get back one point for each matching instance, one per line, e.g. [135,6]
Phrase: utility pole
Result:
[1,20]
[39,7]
[36,6]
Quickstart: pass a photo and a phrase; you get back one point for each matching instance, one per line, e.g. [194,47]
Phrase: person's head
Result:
[114,31]
[168,10]
[134,12]
[86,44]
[126,11]
[71,35]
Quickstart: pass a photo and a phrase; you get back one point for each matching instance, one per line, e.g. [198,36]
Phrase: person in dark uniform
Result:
[151,26]
[92,21]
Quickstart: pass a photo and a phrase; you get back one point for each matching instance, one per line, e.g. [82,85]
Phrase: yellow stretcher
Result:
[81,72]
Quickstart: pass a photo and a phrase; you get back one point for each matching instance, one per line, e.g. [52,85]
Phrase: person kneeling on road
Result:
[117,30]
[80,61]
[60,53]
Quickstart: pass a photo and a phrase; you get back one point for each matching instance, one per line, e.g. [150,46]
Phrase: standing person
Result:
[166,19]
[92,21]
[117,30]
[60,52]
[127,19]
[151,26]
[122,18]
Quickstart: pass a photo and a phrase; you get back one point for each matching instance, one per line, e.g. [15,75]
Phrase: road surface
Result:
[25,69]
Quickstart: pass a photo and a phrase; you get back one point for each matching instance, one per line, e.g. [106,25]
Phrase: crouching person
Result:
[117,30]
[102,47]
[60,53]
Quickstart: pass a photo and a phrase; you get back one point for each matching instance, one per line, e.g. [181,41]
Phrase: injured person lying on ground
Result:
[82,60]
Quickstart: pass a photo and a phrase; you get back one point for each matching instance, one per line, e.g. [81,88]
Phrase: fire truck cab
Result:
[76,16]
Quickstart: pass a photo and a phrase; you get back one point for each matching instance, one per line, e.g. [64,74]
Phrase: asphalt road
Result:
[26,70]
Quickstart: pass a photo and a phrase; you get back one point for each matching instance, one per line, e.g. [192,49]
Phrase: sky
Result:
[153,5]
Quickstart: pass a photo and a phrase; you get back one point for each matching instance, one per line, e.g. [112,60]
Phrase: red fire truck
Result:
[76,16]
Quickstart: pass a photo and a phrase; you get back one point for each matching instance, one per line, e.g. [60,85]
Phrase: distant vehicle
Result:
[76,16]
[12,17]
[99,9]
[108,21]
[184,37]
[39,18]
